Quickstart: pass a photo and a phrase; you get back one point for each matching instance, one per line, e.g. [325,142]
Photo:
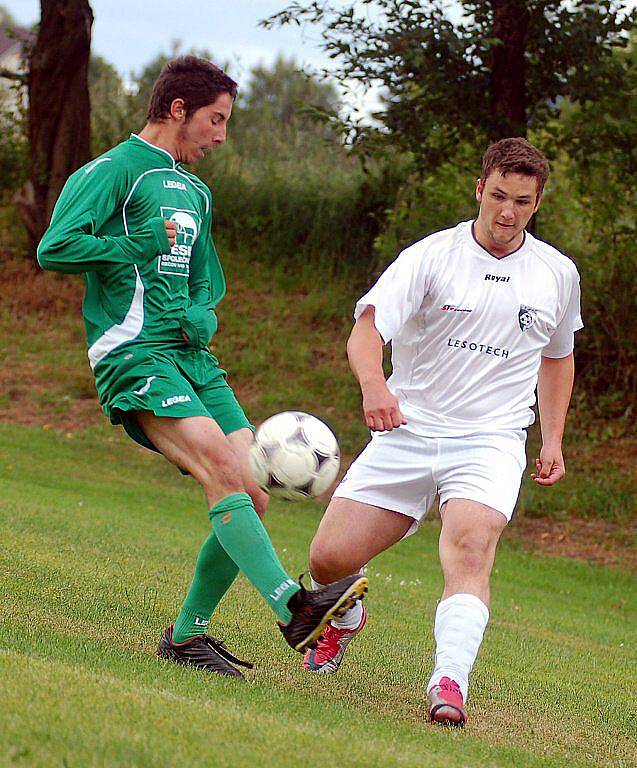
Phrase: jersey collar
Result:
[482,251]
[164,152]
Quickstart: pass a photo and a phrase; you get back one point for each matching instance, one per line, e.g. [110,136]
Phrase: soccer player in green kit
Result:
[137,225]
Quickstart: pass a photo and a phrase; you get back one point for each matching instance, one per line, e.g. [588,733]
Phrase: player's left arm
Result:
[555,380]
[554,387]
[206,287]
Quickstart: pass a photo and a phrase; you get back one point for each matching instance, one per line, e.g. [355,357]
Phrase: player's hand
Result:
[171,231]
[549,466]
[381,408]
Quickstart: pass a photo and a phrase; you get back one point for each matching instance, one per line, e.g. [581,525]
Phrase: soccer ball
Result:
[294,456]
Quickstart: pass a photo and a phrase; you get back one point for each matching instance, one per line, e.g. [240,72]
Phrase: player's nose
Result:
[507,211]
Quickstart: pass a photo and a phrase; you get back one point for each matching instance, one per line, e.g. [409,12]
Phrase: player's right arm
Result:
[365,354]
[90,197]
[380,314]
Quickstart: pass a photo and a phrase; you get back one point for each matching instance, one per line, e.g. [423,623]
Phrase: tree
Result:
[109,105]
[281,91]
[275,114]
[501,69]
[598,204]
[59,108]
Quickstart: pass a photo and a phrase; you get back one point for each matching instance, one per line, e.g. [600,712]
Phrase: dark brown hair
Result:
[515,155]
[197,81]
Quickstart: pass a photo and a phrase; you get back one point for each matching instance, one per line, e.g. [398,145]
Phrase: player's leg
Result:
[198,446]
[386,491]
[350,535]
[468,540]
[480,480]
[215,570]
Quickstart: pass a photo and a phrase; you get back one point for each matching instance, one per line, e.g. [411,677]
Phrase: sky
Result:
[126,35]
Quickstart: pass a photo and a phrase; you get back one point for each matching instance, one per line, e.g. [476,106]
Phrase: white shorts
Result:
[403,472]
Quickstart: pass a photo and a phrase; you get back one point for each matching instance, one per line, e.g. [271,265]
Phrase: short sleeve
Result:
[563,339]
[399,292]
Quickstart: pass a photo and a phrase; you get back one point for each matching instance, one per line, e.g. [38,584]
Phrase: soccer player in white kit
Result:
[478,316]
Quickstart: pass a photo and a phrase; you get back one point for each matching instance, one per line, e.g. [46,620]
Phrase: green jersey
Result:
[109,224]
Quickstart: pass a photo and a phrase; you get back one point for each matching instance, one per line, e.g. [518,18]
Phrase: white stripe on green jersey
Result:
[108,224]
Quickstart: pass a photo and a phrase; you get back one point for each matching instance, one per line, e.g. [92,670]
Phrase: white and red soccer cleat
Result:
[446,706]
[328,654]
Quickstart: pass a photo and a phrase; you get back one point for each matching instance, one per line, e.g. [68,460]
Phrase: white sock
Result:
[351,618]
[458,629]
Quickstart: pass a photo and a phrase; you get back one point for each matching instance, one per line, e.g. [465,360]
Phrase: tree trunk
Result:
[508,90]
[59,109]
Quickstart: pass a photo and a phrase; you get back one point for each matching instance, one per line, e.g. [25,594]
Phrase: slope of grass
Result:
[282,340]
[98,543]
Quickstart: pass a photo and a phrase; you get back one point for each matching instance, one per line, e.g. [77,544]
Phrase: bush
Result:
[299,212]
[424,205]
[591,218]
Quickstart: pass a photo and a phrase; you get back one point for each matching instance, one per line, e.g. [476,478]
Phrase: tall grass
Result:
[321,209]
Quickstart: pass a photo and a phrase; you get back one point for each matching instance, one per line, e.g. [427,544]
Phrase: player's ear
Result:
[178,109]
[479,190]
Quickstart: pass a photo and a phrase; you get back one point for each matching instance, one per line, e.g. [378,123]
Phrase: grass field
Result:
[282,340]
[98,543]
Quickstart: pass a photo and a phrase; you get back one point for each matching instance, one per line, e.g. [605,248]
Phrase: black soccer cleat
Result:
[313,609]
[203,652]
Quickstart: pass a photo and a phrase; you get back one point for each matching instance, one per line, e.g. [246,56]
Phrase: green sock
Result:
[244,538]
[214,573]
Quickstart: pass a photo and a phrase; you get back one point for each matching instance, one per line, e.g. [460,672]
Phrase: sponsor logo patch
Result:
[476,346]
[453,308]
[498,278]
[171,184]
[188,222]
[281,589]
[175,399]
[146,387]
[526,317]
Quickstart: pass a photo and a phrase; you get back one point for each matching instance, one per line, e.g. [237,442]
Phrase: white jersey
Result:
[468,330]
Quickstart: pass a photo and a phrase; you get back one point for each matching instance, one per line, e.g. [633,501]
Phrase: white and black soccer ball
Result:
[294,456]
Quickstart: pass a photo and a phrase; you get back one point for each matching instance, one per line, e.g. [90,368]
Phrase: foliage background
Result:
[310,198]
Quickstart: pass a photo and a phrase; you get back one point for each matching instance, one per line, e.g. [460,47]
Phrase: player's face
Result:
[506,205]
[205,129]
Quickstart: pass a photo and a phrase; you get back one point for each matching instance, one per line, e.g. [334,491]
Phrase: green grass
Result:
[282,340]
[98,543]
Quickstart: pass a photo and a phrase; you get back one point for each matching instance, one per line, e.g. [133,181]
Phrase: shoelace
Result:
[328,646]
[220,647]
[449,685]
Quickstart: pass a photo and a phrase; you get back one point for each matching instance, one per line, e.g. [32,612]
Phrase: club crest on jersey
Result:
[188,222]
[526,317]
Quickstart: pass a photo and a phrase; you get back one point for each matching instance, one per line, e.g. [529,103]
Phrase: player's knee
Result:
[329,563]
[219,468]
[473,551]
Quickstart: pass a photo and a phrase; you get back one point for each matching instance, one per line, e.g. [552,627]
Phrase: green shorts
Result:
[174,383]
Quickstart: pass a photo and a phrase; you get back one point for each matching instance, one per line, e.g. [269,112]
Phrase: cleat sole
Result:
[356,591]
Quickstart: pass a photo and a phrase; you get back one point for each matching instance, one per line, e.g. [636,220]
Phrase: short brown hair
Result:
[515,155]
[197,81]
